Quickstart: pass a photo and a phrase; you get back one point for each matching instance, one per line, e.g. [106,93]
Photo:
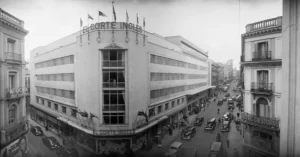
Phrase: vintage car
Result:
[37,131]
[174,149]
[66,152]
[199,121]
[220,102]
[188,133]
[216,150]
[225,126]
[233,98]
[230,107]
[227,95]
[227,116]
[50,142]
[230,101]
[225,98]
[211,124]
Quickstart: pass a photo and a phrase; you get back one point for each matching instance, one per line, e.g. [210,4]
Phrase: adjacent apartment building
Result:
[116,85]
[262,69]
[13,121]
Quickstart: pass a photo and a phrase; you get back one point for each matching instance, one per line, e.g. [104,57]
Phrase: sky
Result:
[212,25]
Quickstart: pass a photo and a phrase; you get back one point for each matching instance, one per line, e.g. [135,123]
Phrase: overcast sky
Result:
[212,25]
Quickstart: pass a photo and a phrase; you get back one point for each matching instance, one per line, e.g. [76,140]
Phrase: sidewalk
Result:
[166,142]
[82,151]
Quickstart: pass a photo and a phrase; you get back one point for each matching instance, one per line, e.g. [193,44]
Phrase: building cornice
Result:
[13,26]
[262,32]
[271,63]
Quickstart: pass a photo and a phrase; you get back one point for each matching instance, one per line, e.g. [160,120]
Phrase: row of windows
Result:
[55,62]
[57,92]
[168,91]
[56,77]
[55,106]
[174,76]
[172,62]
[169,105]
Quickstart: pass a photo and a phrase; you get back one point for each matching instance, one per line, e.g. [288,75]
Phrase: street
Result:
[203,139]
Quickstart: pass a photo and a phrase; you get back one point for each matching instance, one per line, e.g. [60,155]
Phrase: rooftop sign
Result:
[271,123]
[112,25]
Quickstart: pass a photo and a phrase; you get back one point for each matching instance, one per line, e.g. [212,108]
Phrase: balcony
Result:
[242,58]
[261,56]
[113,85]
[13,57]
[261,87]
[10,18]
[15,93]
[15,131]
[107,64]
[270,23]
[260,121]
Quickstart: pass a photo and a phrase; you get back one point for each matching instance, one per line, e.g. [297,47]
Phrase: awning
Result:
[73,124]
[150,124]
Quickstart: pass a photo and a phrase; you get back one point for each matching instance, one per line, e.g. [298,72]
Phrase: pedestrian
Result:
[236,153]
[227,143]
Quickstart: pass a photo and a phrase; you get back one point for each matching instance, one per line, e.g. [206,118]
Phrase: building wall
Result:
[88,66]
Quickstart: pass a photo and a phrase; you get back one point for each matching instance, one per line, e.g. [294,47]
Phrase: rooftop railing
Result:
[10,18]
[262,56]
[269,23]
[15,93]
[261,87]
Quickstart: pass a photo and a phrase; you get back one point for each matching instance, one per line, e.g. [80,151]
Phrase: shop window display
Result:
[115,145]
[87,141]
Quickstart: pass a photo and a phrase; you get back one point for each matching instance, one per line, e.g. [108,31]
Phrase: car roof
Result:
[212,119]
[225,122]
[215,146]
[176,144]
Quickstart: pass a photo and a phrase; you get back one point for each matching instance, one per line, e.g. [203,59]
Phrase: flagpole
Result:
[88,29]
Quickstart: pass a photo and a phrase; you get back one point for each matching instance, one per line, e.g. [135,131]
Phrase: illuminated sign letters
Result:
[112,25]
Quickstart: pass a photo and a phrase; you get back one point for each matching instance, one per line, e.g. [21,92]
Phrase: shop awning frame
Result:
[73,124]
[150,124]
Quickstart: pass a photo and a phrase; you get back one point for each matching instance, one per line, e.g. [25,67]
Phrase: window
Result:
[262,135]
[49,104]
[166,106]
[114,118]
[113,78]
[113,58]
[56,106]
[173,104]
[11,45]
[178,102]
[64,109]
[114,100]
[12,80]
[12,114]
[43,101]
[37,100]
[73,113]
[182,100]
[159,109]
[151,112]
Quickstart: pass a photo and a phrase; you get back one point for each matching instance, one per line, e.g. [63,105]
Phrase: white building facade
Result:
[13,120]
[262,70]
[115,85]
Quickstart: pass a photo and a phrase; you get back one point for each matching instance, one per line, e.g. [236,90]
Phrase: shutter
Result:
[254,108]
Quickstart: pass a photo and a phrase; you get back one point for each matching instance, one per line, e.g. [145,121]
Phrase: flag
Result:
[83,114]
[115,17]
[92,115]
[102,14]
[137,18]
[127,17]
[81,22]
[141,113]
[90,17]
[144,22]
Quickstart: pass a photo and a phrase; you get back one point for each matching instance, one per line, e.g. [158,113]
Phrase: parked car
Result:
[211,124]
[234,89]
[174,148]
[199,121]
[188,133]
[230,106]
[225,98]
[220,102]
[227,116]
[50,142]
[37,131]
[225,126]
[230,101]
[64,152]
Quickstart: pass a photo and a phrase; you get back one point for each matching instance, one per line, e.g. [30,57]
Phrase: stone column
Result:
[290,105]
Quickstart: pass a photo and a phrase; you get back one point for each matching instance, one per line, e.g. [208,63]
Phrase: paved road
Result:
[203,139]
[37,147]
